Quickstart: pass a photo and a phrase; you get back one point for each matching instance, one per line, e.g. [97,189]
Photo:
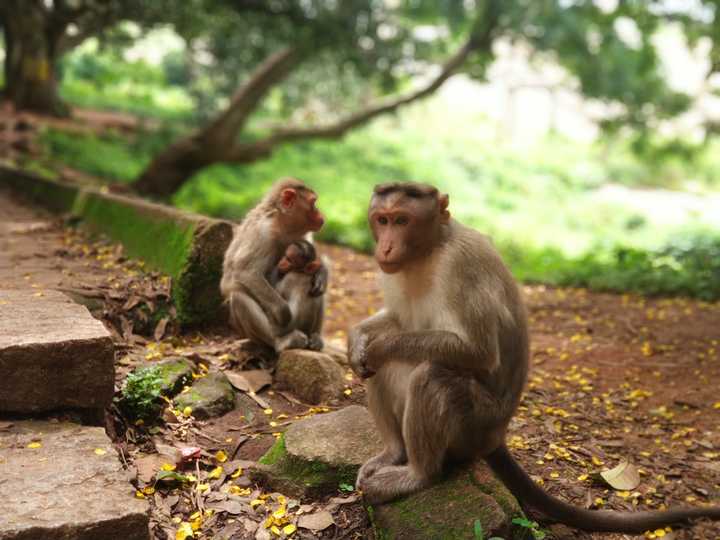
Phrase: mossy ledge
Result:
[187,247]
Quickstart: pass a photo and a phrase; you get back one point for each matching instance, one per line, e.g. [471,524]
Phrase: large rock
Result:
[53,354]
[315,455]
[210,396]
[314,377]
[450,509]
[70,487]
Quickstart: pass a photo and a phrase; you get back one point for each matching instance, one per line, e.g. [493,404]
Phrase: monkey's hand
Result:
[318,286]
[358,356]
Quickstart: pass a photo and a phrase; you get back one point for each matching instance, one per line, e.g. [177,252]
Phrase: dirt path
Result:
[614,377]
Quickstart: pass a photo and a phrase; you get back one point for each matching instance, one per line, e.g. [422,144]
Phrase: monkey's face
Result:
[297,259]
[406,226]
[299,211]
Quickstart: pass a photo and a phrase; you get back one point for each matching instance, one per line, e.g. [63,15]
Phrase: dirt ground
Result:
[614,377]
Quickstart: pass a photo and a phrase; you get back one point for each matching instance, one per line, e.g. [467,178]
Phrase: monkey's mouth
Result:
[389,267]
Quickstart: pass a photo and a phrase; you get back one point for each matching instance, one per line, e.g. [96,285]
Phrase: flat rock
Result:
[314,377]
[315,455]
[53,354]
[213,395]
[70,487]
[450,510]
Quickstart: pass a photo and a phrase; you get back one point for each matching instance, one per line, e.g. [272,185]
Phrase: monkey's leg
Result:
[256,325]
[386,400]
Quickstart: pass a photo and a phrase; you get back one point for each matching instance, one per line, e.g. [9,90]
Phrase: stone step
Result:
[62,481]
[53,354]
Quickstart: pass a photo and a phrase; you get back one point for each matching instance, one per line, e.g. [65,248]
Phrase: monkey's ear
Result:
[288,197]
[444,201]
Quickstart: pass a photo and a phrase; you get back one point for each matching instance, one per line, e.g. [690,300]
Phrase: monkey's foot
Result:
[294,340]
[315,342]
[375,463]
[390,483]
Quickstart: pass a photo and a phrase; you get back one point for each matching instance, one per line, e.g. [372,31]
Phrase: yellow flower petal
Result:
[221,456]
[216,472]
[100,451]
[184,531]
[34,445]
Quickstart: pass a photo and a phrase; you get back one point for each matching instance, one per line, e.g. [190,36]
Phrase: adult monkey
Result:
[285,214]
[447,358]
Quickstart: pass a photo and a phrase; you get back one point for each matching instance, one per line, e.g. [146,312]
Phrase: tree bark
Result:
[31,45]
[172,167]
[216,142]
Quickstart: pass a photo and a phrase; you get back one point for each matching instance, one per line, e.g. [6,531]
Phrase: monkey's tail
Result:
[524,488]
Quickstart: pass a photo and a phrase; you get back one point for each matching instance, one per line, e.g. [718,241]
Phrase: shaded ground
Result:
[613,377]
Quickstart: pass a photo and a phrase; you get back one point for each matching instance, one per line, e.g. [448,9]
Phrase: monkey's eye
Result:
[402,220]
[382,220]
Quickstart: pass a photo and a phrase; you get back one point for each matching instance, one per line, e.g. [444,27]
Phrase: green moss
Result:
[446,511]
[306,477]
[161,242]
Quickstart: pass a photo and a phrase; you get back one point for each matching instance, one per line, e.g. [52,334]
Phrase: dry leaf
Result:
[252,380]
[316,522]
[624,477]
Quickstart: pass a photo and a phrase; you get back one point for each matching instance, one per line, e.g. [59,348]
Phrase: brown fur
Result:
[257,310]
[447,362]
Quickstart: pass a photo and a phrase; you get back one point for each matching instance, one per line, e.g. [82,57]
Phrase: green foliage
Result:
[479,533]
[532,526]
[141,392]
[348,488]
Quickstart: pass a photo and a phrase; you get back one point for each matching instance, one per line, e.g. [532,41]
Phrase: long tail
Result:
[524,488]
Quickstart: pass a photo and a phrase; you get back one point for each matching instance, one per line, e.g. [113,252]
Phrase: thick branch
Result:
[245,153]
[272,71]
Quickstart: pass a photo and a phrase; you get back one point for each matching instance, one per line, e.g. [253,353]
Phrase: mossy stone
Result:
[449,510]
[175,372]
[210,396]
[318,454]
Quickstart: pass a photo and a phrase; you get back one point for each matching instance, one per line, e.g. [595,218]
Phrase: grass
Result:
[540,204]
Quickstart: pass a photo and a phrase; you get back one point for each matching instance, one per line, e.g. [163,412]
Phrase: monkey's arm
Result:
[320,279]
[440,346]
[260,290]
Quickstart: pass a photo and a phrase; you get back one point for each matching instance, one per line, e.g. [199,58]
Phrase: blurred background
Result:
[580,134]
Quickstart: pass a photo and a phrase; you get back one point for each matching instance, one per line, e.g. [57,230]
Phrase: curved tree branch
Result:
[272,71]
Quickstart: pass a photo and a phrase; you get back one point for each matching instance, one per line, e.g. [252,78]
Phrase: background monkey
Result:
[447,358]
[285,215]
[293,278]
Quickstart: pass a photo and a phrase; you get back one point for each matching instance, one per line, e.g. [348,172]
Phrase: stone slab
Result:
[70,487]
[53,354]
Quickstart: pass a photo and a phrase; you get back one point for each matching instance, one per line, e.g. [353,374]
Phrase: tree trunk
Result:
[172,167]
[31,81]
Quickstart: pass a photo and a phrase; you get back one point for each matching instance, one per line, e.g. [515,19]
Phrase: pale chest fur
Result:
[421,303]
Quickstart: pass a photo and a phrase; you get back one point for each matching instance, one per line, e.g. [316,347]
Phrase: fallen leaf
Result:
[252,380]
[316,522]
[624,477]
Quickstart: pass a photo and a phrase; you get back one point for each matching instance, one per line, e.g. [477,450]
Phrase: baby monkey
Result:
[292,277]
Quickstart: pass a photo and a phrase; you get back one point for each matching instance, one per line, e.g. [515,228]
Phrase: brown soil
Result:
[614,377]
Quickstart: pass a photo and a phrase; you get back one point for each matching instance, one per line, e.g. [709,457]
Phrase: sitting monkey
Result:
[257,310]
[446,360]
[293,279]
